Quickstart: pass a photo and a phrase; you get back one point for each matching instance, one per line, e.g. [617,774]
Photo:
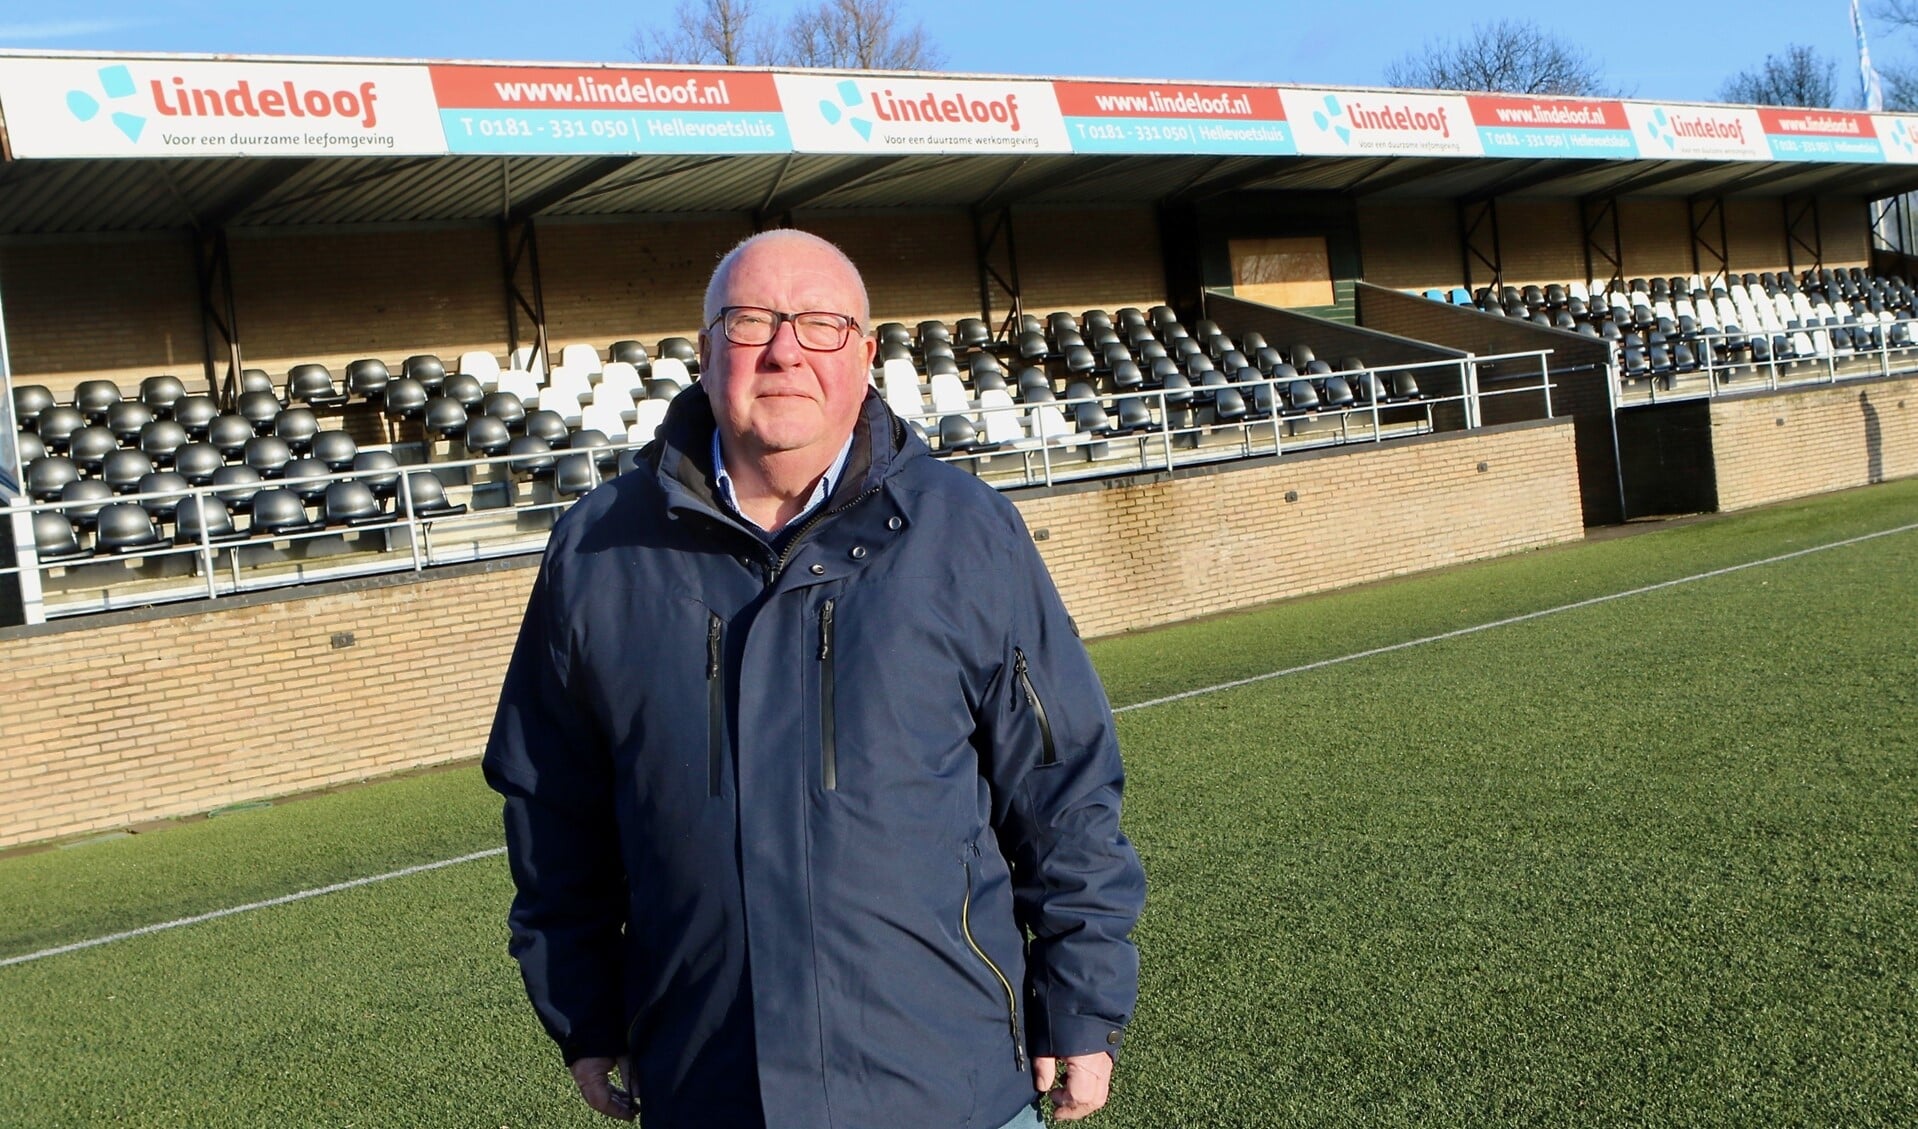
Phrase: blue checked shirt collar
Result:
[723,483]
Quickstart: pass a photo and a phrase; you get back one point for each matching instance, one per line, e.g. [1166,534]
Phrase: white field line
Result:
[283,899]
[1510,620]
[335,888]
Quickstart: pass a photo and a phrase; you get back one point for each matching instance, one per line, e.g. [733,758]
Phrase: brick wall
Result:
[1655,236]
[125,309]
[1540,241]
[335,297]
[126,718]
[1410,245]
[1577,364]
[1754,235]
[1788,444]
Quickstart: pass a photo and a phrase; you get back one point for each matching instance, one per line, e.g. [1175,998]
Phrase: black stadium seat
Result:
[83,498]
[29,400]
[94,397]
[54,538]
[367,378]
[196,414]
[203,516]
[404,398]
[87,446]
[161,393]
[312,385]
[229,434]
[279,511]
[126,528]
[427,496]
[426,368]
[57,424]
[48,475]
[351,503]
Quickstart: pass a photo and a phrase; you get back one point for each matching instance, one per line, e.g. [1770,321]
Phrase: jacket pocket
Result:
[715,702]
[1012,997]
[828,741]
[1049,752]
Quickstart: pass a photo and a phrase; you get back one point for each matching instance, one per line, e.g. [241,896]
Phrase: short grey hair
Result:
[716,286]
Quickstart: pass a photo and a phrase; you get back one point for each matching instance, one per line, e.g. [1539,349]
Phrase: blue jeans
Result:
[1028,1118]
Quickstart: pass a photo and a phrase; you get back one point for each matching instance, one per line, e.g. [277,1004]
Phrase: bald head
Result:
[803,244]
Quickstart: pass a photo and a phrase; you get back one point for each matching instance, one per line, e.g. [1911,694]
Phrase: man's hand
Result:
[1083,1090]
[590,1074]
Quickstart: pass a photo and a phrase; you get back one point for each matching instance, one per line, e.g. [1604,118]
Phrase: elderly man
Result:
[812,794]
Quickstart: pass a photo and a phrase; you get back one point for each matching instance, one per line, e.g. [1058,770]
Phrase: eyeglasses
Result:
[817,330]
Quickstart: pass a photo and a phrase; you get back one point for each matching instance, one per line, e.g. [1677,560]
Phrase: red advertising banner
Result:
[1167,100]
[1546,113]
[1816,123]
[602,88]
[557,110]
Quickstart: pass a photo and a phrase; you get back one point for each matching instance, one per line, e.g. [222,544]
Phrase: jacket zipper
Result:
[780,562]
[828,748]
[715,701]
[1050,751]
[1012,998]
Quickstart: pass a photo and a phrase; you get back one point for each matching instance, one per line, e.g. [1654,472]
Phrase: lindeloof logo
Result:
[1332,119]
[116,84]
[1904,135]
[849,97]
[1661,129]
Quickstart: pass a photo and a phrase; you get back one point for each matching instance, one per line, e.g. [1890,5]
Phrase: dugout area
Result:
[119,268]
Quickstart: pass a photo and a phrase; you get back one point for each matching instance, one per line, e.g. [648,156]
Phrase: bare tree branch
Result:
[1506,57]
[1900,82]
[1801,76]
[852,34]
[705,32]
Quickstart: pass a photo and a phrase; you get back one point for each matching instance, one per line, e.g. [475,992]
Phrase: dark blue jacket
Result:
[826,833]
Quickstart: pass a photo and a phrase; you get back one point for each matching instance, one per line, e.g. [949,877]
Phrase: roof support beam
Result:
[805,192]
[566,187]
[519,270]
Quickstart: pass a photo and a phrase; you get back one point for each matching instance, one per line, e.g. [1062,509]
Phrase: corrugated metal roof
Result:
[62,197]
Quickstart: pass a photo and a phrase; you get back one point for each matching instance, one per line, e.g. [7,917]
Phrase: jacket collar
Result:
[682,456]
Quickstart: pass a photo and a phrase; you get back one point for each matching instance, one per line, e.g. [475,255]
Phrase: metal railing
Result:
[1262,432]
[212,565]
[1712,375]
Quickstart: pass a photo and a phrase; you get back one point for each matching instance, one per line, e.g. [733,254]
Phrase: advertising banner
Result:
[1551,127]
[1821,135]
[191,108]
[1898,135]
[904,114]
[1381,123]
[608,110]
[1150,117]
[1710,133]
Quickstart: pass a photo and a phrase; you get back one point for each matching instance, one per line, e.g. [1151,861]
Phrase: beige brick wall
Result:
[1410,245]
[1541,241]
[1768,448]
[1233,540]
[1754,235]
[1655,235]
[131,718]
[125,309]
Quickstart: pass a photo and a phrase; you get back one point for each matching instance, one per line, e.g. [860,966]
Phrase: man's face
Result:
[782,397]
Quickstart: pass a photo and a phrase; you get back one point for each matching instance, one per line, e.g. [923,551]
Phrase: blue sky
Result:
[1655,51]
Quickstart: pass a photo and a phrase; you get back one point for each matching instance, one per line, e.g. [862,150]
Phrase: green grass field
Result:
[1652,861]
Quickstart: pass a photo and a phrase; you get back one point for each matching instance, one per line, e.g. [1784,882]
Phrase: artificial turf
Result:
[1650,861]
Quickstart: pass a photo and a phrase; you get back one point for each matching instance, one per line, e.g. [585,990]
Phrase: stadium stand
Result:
[1676,337]
[1041,405]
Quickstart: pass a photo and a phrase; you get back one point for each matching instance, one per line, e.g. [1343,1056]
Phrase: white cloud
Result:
[64,29]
